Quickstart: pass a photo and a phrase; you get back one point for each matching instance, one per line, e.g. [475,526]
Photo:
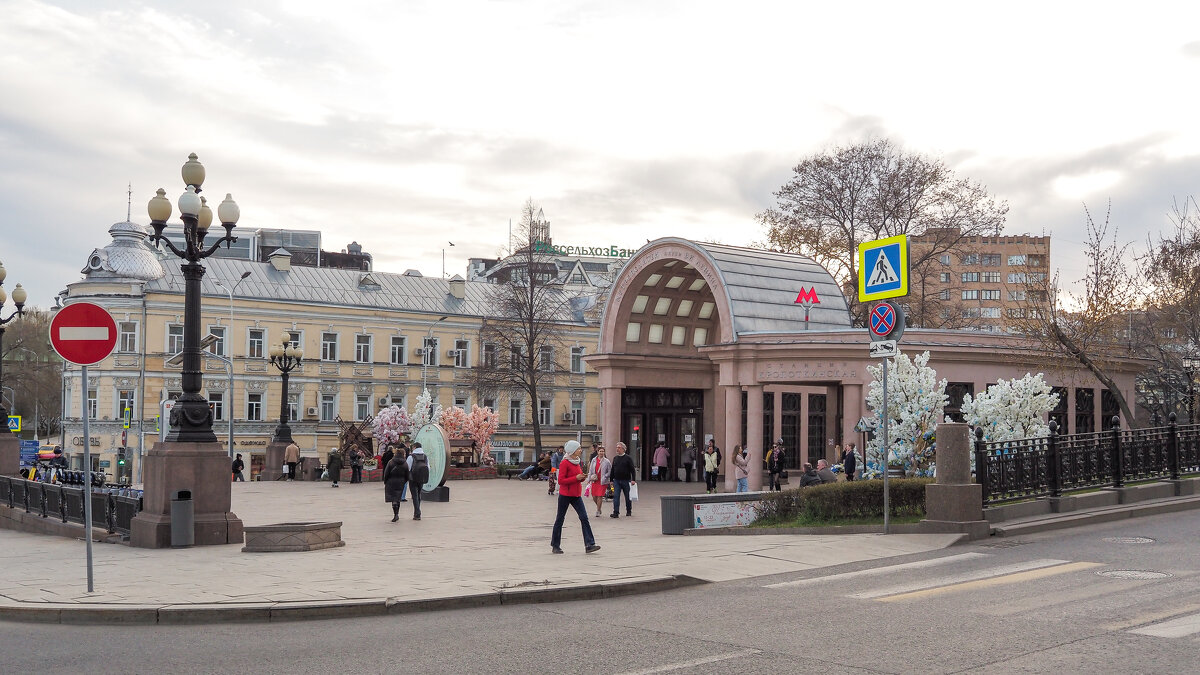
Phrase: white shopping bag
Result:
[633,491]
[285,469]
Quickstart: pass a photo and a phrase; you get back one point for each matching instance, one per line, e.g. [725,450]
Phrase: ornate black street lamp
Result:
[191,418]
[19,296]
[286,358]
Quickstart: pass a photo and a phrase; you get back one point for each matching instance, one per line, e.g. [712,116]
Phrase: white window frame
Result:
[251,352]
[432,346]
[969,277]
[293,406]
[462,353]
[218,405]
[577,354]
[295,338]
[463,403]
[546,412]
[93,404]
[399,347]
[176,340]
[516,405]
[329,348]
[127,340]
[577,413]
[362,406]
[360,347]
[970,295]
[118,413]
[255,402]
[332,401]
[218,347]
[546,358]
[1016,260]
[487,356]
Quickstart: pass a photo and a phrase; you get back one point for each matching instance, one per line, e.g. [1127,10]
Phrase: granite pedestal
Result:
[10,454]
[201,468]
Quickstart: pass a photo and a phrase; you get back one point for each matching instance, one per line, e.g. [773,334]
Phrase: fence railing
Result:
[1047,467]
[110,510]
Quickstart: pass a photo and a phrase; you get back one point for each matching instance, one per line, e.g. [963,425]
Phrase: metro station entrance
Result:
[673,416]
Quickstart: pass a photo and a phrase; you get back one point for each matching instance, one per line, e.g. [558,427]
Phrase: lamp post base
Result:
[204,470]
[10,454]
[273,461]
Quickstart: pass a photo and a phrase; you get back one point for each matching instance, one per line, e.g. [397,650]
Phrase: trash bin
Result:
[183,518]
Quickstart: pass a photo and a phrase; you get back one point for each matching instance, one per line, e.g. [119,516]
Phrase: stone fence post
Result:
[954,503]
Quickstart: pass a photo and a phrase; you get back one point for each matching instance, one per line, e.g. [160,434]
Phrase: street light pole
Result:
[286,358]
[425,353]
[36,391]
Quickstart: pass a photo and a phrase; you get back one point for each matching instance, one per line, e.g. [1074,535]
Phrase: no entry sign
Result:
[83,333]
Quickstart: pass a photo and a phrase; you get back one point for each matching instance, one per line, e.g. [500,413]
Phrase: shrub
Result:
[845,500]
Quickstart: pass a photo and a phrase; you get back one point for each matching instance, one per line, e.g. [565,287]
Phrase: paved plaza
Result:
[492,535]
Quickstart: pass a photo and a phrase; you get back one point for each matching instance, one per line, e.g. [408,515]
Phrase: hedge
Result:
[845,499]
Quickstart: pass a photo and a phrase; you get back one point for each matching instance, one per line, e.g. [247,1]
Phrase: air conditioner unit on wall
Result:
[566,417]
[452,353]
[310,412]
[419,351]
[384,401]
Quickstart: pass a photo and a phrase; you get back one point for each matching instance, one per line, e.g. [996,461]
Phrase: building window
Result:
[944,294]
[989,294]
[989,312]
[944,258]
[1169,332]
[1016,278]
[328,407]
[329,346]
[944,277]
[517,358]
[1036,260]
[254,407]
[362,406]
[489,356]
[970,295]
[460,402]
[93,407]
[576,359]
[462,354]
[991,277]
[216,403]
[546,358]
[296,338]
[1037,277]
[293,406]
[516,411]
[970,313]
[430,356]
[1016,260]
[991,259]
[217,347]
[545,413]
[124,402]
[577,413]
[362,349]
[1016,312]
[1016,296]
[254,343]
[969,259]
[127,337]
[399,355]
[489,403]
[174,339]
[970,276]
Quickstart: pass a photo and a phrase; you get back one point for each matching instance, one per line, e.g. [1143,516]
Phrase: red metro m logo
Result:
[808,297]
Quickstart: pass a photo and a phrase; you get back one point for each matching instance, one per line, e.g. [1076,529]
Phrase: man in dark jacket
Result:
[238,467]
[622,475]
[809,477]
[334,464]
[395,477]
[849,462]
[418,475]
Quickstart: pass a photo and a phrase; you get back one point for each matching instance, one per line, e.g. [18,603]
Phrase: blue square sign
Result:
[883,269]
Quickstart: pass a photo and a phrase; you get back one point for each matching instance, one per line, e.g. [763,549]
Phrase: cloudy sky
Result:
[404,125]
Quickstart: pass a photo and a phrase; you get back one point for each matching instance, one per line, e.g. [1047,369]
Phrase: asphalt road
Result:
[1043,603]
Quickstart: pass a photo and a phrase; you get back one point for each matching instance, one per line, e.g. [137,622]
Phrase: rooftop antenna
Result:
[129,202]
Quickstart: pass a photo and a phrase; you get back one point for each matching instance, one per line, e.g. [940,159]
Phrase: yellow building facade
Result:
[370,339]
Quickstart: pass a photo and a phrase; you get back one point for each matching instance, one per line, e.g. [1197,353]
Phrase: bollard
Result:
[1118,457]
[1173,449]
[1052,463]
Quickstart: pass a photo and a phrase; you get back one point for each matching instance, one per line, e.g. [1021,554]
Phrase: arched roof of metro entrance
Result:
[675,295]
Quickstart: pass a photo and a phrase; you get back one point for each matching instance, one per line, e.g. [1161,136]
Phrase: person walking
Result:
[689,462]
[357,457]
[402,454]
[741,469]
[386,457]
[775,460]
[418,475]
[291,457]
[334,464]
[238,467]
[710,468]
[570,495]
[395,479]
[849,461]
[555,461]
[662,456]
[599,477]
[623,473]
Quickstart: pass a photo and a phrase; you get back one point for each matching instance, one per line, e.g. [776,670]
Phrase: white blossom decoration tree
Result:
[916,401]
[1011,409]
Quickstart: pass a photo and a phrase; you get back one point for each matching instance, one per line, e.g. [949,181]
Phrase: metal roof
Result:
[329,286]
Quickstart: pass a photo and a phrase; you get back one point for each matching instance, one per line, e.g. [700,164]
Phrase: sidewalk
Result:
[489,545]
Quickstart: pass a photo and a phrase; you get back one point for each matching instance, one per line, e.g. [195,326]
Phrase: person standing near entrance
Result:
[622,476]
[710,468]
[849,461]
[662,457]
[238,466]
[291,457]
[689,462]
[741,469]
[775,460]
[570,495]
[418,475]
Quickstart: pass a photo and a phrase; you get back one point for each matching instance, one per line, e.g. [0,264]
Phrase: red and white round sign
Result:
[83,333]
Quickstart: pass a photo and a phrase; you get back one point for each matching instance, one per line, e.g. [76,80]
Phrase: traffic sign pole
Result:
[87,481]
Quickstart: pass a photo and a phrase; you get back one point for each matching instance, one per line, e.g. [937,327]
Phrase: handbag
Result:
[633,497]
[325,474]
[783,474]
[654,470]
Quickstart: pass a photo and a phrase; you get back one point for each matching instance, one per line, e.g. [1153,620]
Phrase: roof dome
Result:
[126,257]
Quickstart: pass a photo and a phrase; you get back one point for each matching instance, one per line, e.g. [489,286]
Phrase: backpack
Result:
[420,469]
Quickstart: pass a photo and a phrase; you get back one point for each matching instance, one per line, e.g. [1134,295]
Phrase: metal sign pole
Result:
[885,448]
[87,480]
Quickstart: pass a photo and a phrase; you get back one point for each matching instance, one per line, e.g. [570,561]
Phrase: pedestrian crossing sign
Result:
[14,423]
[883,269]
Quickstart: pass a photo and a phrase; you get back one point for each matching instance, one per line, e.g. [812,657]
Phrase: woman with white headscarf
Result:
[571,477]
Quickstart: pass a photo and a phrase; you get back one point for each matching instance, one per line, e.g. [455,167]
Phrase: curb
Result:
[1107,515]
[271,612]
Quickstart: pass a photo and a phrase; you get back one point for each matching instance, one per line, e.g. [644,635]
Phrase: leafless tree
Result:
[848,195]
[33,371]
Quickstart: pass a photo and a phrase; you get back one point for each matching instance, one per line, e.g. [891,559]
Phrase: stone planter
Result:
[287,537]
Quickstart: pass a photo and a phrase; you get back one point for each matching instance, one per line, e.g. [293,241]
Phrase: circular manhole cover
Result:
[1129,540]
[1138,575]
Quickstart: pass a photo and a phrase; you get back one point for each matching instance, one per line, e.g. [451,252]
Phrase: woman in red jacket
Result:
[570,494]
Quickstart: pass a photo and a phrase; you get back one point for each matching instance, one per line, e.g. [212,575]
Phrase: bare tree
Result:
[1092,328]
[33,371]
[849,195]
[531,312]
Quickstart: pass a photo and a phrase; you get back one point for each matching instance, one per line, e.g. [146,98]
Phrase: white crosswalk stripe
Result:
[878,571]
[958,578]
[1175,628]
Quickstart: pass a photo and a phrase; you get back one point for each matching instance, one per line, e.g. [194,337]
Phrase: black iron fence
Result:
[1047,467]
[112,507]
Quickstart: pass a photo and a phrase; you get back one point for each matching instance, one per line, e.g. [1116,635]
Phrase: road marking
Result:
[1017,577]
[933,562]
[678,665]
[1152,617]
[958,578]
[1181,627]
